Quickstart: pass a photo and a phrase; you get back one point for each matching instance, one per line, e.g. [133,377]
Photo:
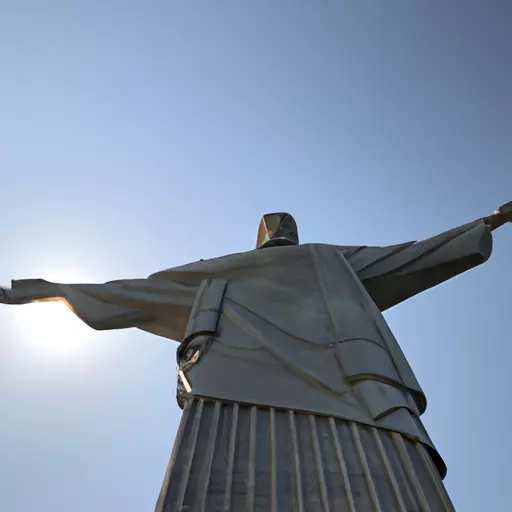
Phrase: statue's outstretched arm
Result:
[159,307]
[393,274]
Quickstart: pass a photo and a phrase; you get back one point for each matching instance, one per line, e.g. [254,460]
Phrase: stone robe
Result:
[294,327]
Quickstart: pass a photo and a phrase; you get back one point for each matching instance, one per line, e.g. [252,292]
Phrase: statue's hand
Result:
[4,295]
[7,296]
[501,216]
[505,212]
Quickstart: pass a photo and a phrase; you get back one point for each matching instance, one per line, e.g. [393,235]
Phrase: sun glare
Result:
[52,325]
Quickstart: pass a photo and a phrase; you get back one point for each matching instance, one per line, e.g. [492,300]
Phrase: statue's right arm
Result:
[159,307]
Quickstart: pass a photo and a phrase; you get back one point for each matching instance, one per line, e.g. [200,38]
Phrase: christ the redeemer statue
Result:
[296,395]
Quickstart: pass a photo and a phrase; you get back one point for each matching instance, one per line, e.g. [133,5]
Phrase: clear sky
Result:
[138,135]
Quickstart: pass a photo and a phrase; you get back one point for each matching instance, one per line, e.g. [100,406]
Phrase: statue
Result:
[295,393]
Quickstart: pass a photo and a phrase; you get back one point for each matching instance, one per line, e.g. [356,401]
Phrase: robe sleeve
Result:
[158,307]
[393,274]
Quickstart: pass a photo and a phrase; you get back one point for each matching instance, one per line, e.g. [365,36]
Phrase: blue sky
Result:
[135,136]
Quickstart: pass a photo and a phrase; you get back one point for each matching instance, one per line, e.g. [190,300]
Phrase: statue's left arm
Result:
[393,274]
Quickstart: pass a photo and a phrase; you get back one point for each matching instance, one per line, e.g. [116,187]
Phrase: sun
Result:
[52,325]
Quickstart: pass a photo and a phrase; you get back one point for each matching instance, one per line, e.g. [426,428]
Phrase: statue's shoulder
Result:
[344,249]
[245,263]
[209,267]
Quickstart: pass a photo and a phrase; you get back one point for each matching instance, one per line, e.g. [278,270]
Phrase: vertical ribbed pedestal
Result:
[230,457]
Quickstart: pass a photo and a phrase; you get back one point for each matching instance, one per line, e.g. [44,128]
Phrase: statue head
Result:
[277,229]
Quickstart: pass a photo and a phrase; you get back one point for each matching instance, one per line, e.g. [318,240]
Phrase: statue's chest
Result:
[312,292]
